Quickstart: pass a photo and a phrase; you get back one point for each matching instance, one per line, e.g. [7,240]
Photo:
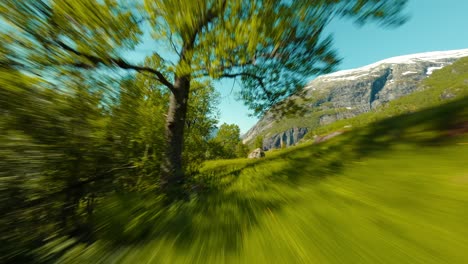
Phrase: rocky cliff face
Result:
[345,94]
[284,139]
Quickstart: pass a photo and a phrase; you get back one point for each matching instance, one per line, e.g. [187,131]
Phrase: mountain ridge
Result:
[433,56]
[348,93]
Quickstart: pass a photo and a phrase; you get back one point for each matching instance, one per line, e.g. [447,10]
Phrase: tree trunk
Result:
[172,173]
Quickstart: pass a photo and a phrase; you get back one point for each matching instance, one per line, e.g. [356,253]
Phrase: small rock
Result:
[256,154]
[447,95]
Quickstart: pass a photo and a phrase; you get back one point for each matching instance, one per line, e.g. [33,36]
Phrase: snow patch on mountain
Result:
[408,72]
[432,57]
[347,78]
[430,70]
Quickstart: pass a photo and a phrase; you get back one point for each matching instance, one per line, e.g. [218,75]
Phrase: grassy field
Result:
[395,191]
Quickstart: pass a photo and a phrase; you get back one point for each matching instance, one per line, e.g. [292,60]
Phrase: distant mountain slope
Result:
[346,94]
[447,84]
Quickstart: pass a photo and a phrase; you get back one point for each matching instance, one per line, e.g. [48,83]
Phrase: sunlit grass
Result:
[393,192]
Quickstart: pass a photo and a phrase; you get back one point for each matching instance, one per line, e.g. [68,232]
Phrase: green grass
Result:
[395,191]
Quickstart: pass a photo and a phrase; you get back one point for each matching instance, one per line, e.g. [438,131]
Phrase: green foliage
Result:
[64,152]
[242,150]
[227,143]
[201,119]
[258,142]
[58,142]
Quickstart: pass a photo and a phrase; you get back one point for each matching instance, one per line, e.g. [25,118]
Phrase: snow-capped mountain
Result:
[440,58]
[347,93]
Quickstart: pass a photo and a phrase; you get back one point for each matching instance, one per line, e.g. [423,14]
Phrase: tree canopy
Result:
[227,143]
[270,45]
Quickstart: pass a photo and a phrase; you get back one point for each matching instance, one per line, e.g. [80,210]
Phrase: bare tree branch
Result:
[120,63]
[246,74]
[171,41]
[232,65]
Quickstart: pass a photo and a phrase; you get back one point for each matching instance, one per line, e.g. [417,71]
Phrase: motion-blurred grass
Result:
[393,192]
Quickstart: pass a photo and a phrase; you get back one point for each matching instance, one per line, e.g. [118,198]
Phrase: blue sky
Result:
[434,25]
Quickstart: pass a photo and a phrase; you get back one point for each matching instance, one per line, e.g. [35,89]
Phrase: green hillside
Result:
[395,191]
[448,83]
[443,85]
